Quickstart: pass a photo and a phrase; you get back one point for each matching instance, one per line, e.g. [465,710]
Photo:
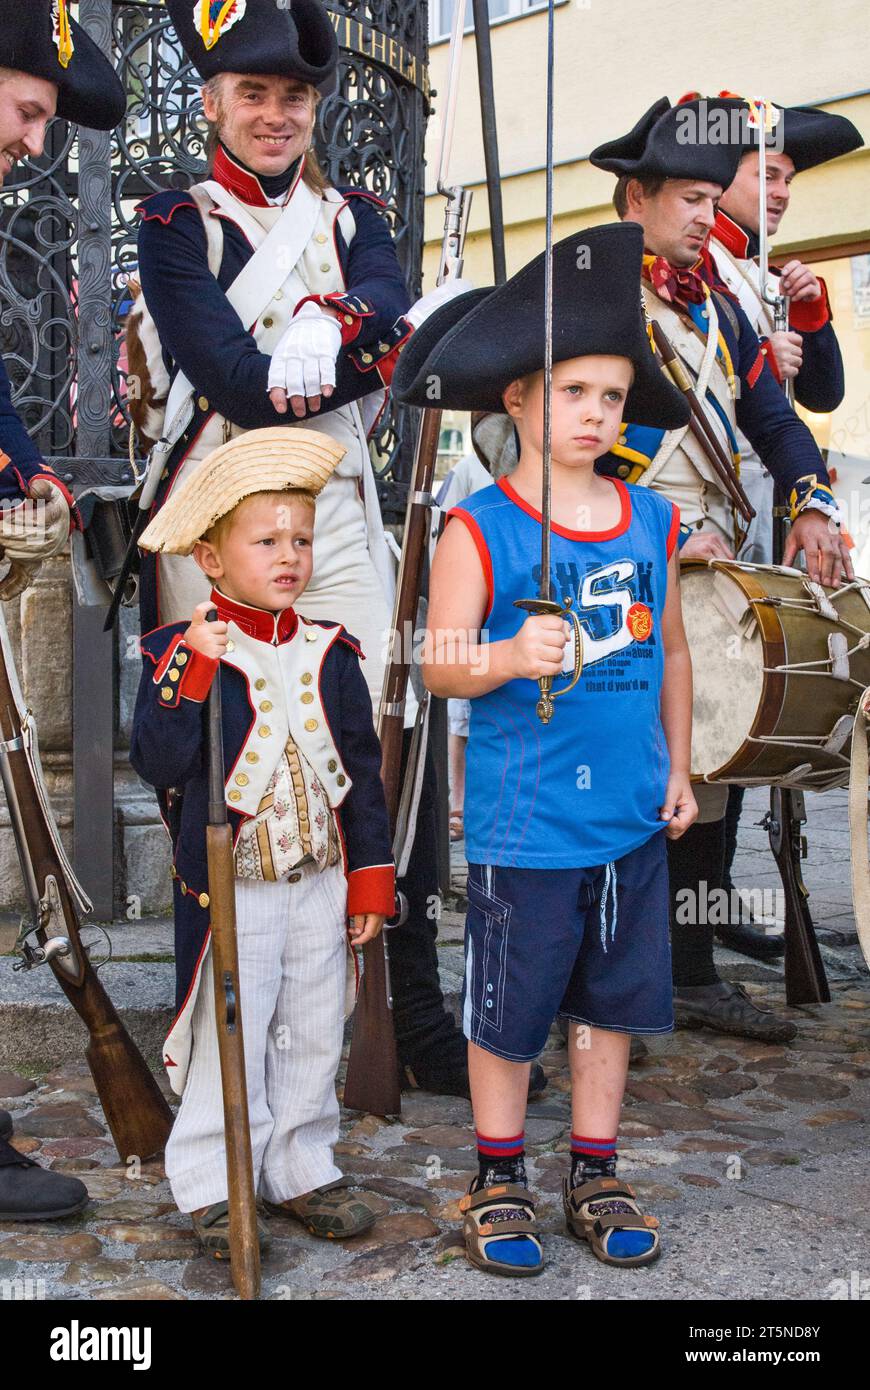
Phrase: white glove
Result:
[304,360]
[442,294]
[36,527]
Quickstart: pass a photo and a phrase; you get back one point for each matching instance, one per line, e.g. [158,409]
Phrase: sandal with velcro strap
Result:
[599,1210]
[502,1219]
[212,1228]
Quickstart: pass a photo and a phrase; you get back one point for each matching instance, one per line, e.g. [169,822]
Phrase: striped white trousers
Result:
[292,954]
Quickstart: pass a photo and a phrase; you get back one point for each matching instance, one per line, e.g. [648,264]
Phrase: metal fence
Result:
[68,245]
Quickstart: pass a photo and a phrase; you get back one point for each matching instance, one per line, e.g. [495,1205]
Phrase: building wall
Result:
[614,58]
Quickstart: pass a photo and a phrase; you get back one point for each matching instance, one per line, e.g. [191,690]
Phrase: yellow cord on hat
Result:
[211,33]
[64,35]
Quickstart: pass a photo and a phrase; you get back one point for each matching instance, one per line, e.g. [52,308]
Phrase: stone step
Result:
[38,1028]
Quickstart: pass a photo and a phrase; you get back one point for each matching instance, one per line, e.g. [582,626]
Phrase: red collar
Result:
[244,185]
[732,236]
[256,622]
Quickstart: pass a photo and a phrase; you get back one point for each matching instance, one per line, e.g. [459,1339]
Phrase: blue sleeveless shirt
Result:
[586,788]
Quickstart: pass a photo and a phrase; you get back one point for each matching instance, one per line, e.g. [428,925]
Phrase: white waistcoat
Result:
[680,468]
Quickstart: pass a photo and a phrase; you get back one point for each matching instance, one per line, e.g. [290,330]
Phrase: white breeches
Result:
[292,954]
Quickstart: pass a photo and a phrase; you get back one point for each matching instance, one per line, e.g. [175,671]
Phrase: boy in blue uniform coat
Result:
[310,826]
[567,877]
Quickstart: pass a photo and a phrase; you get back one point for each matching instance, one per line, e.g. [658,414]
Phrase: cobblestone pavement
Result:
[751,1155]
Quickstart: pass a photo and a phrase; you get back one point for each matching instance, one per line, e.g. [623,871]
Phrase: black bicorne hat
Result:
[41,38]
[465,354]
[271,38]
[806,134]
[696,139]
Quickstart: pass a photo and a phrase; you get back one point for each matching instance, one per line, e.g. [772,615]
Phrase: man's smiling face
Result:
[27,104]
[266,122]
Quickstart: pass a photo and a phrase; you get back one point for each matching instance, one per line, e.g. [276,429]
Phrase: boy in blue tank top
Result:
[567,873]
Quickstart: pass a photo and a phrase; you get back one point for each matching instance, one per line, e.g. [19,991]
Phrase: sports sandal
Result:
[328,1211]
[600,1210]
[502,1219]
[213,1230]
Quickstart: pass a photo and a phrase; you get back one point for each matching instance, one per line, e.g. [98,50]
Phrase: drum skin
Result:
[740,698]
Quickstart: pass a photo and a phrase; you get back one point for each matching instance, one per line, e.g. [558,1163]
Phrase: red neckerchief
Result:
[681,285]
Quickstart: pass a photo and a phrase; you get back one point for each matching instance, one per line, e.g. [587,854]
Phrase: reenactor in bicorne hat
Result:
[673,168]
[807,353]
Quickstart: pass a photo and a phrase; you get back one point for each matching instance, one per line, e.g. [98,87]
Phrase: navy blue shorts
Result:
[591,944]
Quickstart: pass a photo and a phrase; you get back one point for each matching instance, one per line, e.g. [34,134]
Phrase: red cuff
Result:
[809,315]
[387,365]
[183,671]
[372,890]
[74,517]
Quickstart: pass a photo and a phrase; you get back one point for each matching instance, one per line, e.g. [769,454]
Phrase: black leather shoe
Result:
[743,934]
[31,1193]
[727,1008]
[749,941]
[5,1125]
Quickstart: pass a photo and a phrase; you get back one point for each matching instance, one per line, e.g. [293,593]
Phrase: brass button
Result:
[383,347]
[181,659]
[332,765]
[623,470]
[279,294]
[320,237]
[268,321]
[203,899]
[173,872]
[235,796]
[241,779]
[325,267]
[264,731]
[231,646]
[202,403]
[307,678]
[265,706]
[252,757]
[294,878]
[341,779]
[183,886]
[366,357]
[310,636]
[311,725]
[308,698]
[167,692]
[260,684]
[348,318]
[175,675]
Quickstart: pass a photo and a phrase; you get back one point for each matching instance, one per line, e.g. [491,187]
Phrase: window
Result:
[441,14]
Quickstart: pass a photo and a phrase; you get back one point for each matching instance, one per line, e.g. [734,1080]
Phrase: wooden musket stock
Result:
[138,1116]
[241,1198]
